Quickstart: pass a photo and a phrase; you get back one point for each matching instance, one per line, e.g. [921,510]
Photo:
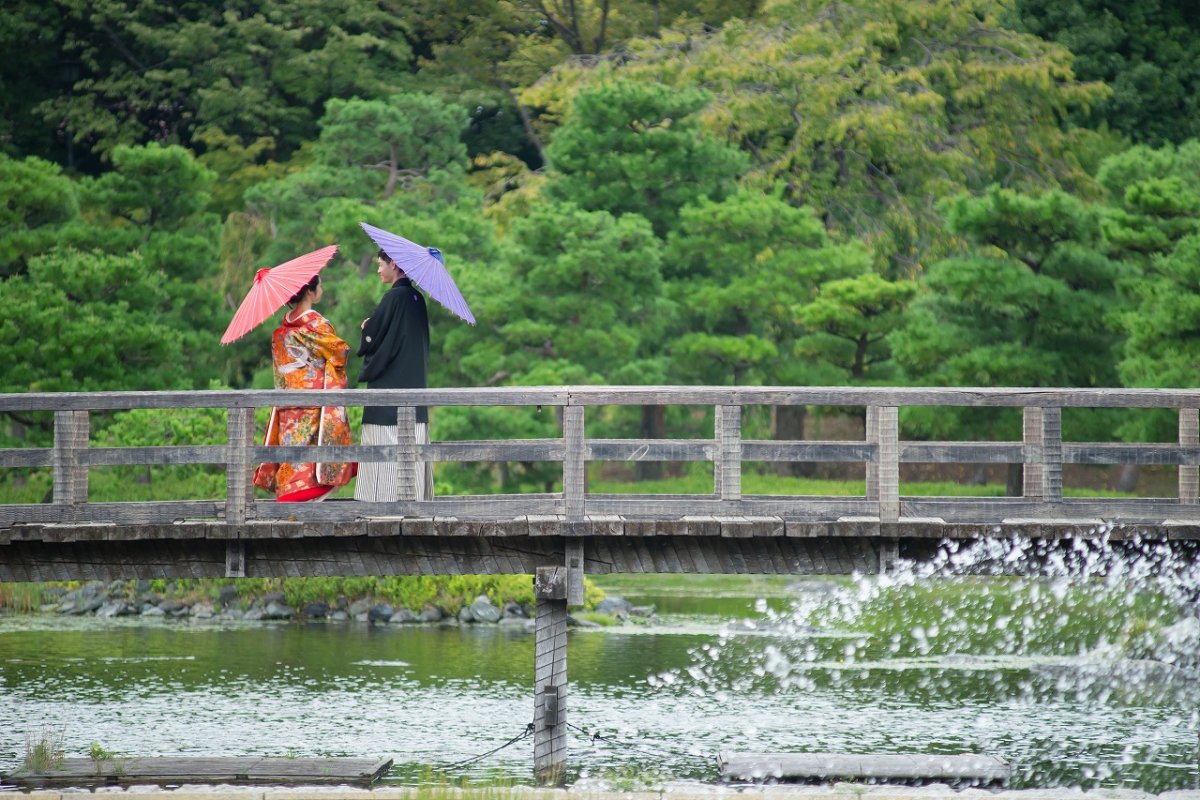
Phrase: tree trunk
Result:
[1127,481]
[787,424]
[654,426]
[1015,486]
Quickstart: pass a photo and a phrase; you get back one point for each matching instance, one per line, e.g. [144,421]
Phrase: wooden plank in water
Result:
[875,767]
[166,771]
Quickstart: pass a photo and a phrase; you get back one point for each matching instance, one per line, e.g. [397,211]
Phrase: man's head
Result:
[387,269]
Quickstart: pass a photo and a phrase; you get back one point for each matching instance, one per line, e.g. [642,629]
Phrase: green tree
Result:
[1155,225]
[37,201]
[736,271]
[90,321]
[869,111]
[1029,304]
[848,323]
[154,202]
[631,147]
[166,72]
[1148,52]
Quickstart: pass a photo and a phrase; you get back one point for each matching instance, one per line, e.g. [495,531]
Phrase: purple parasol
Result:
[426,268]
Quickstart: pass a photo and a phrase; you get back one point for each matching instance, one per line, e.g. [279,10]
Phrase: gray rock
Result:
[117,589]
[572,622]
[277,610]
[360,617]
[513,611]
[273,597]
[614,604]
[53,592]
[642,611]
[253,614]
[359,607]
[430,613]
[203,611]
[231,613]
[86,604]
[114,608]
[141,586]
[465,615]
[339,616]
[227,596]
[482,610]
[315,610]
[516,622]
[403,616]
[170,605]
[149,610]
[380,613]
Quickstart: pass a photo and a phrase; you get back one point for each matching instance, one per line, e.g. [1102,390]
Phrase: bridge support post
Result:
[550,676]
[1189,436]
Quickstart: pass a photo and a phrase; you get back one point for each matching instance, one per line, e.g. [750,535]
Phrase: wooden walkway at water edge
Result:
[119,771]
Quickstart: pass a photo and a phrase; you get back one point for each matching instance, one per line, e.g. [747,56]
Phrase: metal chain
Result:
[597,737]
[525,734]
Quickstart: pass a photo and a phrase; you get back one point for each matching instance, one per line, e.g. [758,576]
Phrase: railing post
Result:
[239,486]
[550,676]
[727,469]
[574,475]
[406,440]
[872,436]
[1031,475]
[71,432]
[883,476]
[1043,440]
[1189,436]
[1053,455]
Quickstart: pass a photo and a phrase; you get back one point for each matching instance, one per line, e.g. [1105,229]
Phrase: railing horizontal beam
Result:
[610,395]
[813,451]
[649,449]
[626,450]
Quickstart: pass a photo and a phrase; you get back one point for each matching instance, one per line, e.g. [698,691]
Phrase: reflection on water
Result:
[666,698]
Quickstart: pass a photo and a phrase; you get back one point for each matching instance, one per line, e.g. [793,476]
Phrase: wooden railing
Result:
[1042,452]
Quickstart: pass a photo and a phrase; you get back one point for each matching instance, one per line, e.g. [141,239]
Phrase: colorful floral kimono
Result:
[307,354]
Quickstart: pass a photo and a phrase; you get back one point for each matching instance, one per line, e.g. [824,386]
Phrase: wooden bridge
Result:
[722,531]
[559,536]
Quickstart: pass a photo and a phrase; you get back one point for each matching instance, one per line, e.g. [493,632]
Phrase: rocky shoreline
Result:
[136,599]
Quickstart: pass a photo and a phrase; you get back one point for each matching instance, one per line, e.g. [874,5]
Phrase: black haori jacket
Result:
[395,349]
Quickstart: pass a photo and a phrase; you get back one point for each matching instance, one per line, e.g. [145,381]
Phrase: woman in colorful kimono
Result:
[307,354]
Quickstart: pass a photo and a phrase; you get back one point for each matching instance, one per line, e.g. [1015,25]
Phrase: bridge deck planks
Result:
[84,772]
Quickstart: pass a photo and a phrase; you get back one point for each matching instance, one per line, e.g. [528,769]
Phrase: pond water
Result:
[790,674]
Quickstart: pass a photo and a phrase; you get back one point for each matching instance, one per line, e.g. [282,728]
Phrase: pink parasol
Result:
[272,288]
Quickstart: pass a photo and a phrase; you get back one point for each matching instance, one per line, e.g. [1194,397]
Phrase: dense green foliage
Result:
[634,191]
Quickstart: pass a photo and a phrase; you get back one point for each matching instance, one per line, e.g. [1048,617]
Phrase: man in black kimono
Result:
[395,352]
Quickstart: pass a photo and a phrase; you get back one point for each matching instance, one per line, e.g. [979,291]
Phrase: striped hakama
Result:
[377,482]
